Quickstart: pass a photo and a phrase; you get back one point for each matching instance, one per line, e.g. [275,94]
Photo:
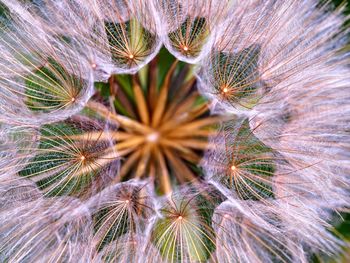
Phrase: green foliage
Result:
[164,62]
[4,16]
[103,88]
[344,226]
[125,83]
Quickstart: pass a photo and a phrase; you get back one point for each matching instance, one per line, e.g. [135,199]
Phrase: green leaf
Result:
[5,17]
[165,60]
[103,88]
[125,83]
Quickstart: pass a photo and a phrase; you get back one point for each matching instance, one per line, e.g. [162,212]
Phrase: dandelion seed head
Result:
[183,220]
[51,215]
[16,191]
[17,147]
[187,26]
[238,229]
[82,162]
[29,98]
[231,147]
[241,164]
[130,249]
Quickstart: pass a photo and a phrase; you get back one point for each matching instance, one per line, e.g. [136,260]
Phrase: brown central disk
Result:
[164,125]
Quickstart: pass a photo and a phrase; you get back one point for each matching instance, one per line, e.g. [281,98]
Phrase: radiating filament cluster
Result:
[173,130]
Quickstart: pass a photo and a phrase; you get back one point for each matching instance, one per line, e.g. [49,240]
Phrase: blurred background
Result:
[341,224]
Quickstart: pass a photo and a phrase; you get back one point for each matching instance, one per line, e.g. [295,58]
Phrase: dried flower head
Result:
[40,81]
[173,131]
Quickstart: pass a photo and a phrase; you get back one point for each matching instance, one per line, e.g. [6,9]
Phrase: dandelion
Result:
[264,43]
[17,145]
[241,164]
[52,235]
[71,159]
[39,82]
[159,136]
[187,27]
[112,37]
[173,131]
